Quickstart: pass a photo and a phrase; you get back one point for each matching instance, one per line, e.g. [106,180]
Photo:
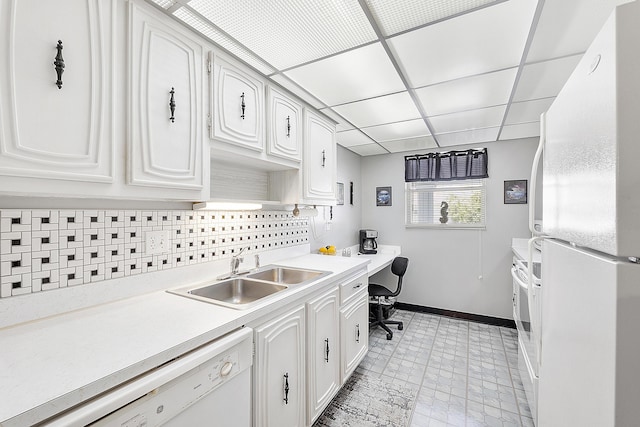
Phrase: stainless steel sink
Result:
[238,292]
[248,290]
[289,276]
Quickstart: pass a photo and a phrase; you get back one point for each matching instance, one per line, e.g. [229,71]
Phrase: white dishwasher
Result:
[209,386]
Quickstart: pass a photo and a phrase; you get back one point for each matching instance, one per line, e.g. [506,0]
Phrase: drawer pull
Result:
[357,286]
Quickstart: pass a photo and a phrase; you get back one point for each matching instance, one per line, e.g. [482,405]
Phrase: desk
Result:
[384,257]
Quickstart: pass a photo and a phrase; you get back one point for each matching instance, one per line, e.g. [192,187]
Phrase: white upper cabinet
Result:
[284,126]
[50,128]
[238,105]
[166,104]
[319,167]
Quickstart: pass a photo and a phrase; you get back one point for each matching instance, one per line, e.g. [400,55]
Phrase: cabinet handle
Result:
[59,63]
[242,105]
[357,286]
[172,106]
[288,127]
[323,158]
[358,332]
[286,388]
[326,357]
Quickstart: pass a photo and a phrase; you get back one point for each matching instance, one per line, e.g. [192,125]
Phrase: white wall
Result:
[461,270]
[346,218]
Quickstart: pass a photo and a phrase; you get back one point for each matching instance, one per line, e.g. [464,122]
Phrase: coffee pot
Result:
[368,244]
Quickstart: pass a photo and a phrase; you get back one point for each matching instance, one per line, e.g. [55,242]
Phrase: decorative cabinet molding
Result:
[279,371]
[319,166]
[323,352]
[284,126]
[166,108]
[237,105]
[47,132]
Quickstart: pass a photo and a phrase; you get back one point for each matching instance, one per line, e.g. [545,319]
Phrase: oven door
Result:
[524,313]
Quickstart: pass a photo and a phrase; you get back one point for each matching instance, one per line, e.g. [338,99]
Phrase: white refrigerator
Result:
[589,340]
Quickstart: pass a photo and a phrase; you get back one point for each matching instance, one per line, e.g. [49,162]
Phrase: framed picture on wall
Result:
[515,192]
[340,195]
[383,196]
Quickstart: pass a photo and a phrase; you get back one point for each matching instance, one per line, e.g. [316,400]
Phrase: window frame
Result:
[451,186]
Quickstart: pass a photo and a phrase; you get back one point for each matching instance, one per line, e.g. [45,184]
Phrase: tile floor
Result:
[455,372]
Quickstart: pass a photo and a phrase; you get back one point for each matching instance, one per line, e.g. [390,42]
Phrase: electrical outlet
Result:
[157,242]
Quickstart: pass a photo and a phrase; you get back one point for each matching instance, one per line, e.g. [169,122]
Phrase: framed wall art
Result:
[515,192]
[383,196]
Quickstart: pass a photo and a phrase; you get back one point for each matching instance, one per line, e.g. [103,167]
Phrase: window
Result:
[451,204]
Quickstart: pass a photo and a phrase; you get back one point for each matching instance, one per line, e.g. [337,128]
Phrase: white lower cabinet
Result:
[279,374]
[354,333]
[323,352]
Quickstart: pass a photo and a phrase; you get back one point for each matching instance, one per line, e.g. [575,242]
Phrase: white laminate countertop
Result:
[50,365]
[384,257]
[521,249]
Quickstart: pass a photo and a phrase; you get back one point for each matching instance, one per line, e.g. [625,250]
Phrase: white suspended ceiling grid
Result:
[408,75]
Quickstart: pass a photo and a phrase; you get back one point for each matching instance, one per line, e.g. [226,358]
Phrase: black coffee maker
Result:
[368,244]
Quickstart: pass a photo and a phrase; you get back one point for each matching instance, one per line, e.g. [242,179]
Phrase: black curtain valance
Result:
[446,166]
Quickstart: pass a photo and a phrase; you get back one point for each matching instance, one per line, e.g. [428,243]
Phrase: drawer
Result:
[353,287]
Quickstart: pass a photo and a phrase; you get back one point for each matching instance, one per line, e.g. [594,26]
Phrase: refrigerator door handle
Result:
[534,176]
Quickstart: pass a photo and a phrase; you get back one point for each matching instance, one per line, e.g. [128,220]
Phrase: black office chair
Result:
[398,267]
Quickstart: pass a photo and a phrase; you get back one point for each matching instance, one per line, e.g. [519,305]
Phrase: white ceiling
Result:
[406,75]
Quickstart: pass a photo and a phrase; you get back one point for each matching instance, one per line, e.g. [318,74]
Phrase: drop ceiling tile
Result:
[352,138]
[395,16]
[466,120]
[410,144]
[342,123]
[567,27]
[468,137]
[381,110]
[357,74]
[527,111]
[204,27]
[520,130]
[399,130]
[490,39]
[468,93]
[368,150]
[545,79]
[296,90]
[288,33]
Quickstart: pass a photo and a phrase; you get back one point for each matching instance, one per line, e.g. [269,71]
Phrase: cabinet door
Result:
[323,352]
[238,106]
[48,132]
[284,126]
[279,383]
[354,331]
[165,146]
[319,166]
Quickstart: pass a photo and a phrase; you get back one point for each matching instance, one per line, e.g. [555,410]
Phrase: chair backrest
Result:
[399,267]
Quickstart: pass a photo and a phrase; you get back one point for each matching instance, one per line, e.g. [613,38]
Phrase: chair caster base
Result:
[389,336]
[400,326]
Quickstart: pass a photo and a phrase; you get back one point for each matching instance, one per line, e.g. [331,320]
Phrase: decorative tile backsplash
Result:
[49,249]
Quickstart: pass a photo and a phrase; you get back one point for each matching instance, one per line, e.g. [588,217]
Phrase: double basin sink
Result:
[244,291]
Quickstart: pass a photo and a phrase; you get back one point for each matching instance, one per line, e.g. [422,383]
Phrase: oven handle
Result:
[536,318]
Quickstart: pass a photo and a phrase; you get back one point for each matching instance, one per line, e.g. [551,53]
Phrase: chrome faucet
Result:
[236,260]
[257,258]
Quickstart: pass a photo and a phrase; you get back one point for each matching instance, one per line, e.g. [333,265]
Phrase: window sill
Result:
[447,226]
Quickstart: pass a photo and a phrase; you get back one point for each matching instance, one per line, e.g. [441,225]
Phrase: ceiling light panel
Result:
[205,28]
[474,136]
[296,90]
[352,138]
[521,130]
[527,111]
[468,93]
[567,27]
[466,120]
[395,16]
[357,74]
[290,32]
[545,79]
[489,39]
[368,150]
[381,110]
[165,4]
[399,130]
[410,144]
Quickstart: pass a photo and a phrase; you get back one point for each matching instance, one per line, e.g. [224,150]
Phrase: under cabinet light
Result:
[227,206]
